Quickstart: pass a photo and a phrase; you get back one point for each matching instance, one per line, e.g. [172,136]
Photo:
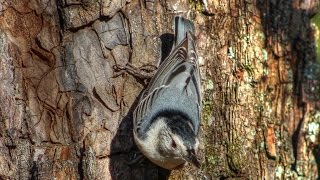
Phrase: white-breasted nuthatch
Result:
[167,118]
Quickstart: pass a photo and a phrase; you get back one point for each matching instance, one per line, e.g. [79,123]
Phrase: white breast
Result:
[149,148]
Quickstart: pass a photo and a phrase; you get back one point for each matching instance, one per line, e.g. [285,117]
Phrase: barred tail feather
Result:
[182,26]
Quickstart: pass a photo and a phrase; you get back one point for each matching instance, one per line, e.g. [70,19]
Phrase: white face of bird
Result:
[188,154]
[172,145]
[177,146]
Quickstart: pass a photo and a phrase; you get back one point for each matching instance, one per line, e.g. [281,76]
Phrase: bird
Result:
[167,117]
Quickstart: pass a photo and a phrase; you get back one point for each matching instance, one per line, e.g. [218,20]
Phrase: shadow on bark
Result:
[166,45]
[289,38]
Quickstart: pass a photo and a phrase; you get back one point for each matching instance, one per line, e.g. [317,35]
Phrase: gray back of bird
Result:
[175,88]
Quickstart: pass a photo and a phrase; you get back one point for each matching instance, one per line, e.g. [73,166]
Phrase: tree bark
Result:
[66,113]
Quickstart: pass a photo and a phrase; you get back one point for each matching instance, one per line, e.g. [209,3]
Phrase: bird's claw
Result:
[138,159]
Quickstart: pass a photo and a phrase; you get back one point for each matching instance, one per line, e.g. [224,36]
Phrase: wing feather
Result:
[179,70]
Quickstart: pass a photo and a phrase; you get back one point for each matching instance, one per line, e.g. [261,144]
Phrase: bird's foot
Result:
[138,158]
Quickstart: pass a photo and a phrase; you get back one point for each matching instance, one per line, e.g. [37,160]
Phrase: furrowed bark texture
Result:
[65,112]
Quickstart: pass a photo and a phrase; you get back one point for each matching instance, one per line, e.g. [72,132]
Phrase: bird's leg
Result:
[145,72]
[139,157]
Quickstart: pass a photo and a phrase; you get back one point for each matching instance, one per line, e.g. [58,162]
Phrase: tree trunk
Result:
[66,113]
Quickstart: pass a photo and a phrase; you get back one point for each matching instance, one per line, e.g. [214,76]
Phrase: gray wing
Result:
[181,66]
[179,71]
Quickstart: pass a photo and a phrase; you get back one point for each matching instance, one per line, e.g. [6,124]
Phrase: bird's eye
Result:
[173,144]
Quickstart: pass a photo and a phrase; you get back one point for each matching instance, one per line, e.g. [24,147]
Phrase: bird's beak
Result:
[192,158]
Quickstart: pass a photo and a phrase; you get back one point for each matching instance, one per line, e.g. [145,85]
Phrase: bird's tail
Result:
[182,26]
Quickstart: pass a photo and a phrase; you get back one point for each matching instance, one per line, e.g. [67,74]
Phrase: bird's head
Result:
[177,140]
